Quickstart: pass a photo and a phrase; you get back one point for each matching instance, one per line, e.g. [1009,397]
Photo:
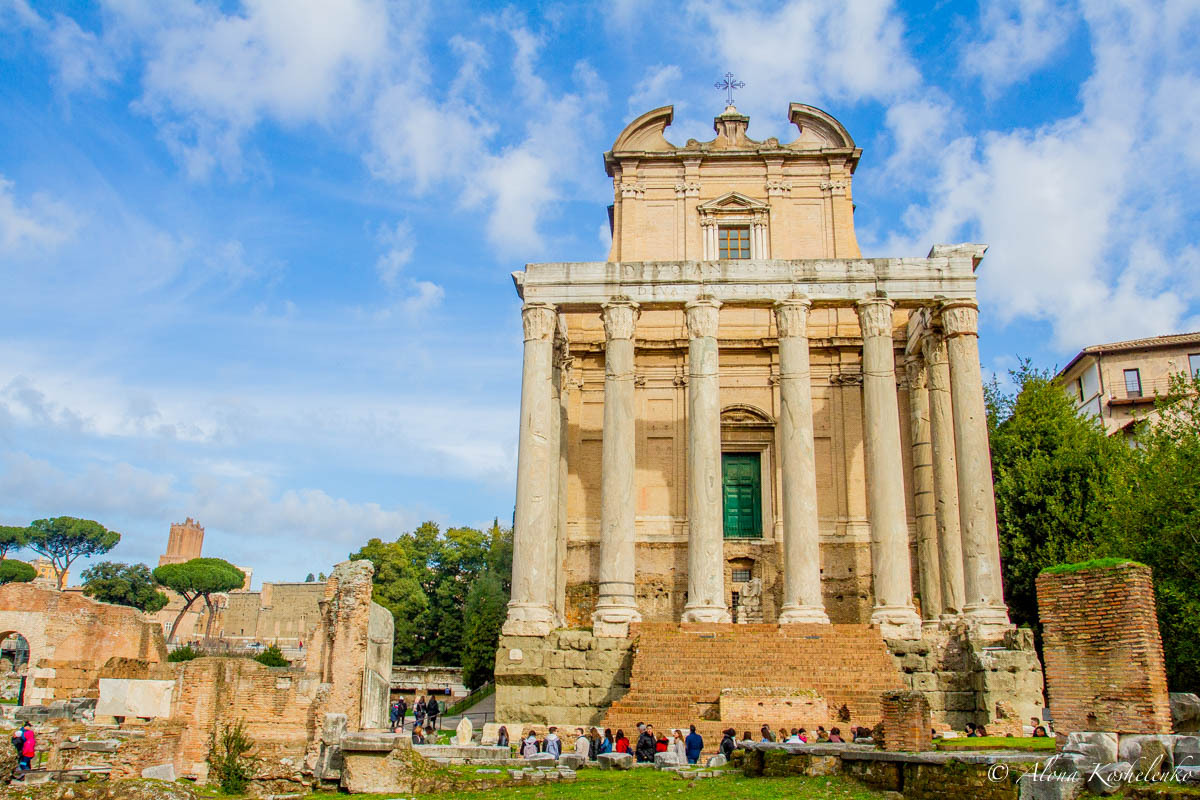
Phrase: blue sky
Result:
[256,255]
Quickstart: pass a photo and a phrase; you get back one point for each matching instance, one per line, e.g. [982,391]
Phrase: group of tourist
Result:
[803,736]
[425,714]
[592,743]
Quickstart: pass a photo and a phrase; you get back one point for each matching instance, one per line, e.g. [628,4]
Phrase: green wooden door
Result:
[742,479]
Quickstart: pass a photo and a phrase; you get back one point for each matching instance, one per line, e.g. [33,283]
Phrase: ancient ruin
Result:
[109,700]
[744,444]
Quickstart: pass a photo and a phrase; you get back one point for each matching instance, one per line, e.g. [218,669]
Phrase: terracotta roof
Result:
[1168,340]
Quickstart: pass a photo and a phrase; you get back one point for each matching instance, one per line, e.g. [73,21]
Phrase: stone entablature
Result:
[907,281]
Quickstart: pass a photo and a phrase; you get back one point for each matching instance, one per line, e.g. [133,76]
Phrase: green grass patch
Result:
[998,743]
[649,784]
[1095,563]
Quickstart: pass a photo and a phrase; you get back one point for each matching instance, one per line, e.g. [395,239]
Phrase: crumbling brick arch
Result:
[71,637]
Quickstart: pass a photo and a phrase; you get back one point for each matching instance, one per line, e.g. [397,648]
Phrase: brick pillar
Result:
[907,722]
[1102,651]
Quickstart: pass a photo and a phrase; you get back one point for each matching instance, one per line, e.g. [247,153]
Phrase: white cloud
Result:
[1081,234]
[398,240]
[84,62]
[809,51]
[655,90]
[42,224]
[1019,37]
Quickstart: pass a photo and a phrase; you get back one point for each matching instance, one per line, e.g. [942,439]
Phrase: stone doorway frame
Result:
[746,429]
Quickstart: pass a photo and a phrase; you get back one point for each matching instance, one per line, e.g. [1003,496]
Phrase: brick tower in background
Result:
[184,544]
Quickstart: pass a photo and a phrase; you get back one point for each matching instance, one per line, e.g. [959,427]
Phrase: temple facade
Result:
[738,419]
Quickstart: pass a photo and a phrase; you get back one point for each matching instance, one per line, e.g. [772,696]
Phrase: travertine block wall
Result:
[906,722]
[71,637]
[1102,650]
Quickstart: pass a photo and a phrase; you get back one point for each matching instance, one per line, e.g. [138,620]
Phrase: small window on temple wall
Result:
[733,241]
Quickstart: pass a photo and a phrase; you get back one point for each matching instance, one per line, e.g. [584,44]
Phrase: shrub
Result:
[185,653]
[230,761]
[272,657]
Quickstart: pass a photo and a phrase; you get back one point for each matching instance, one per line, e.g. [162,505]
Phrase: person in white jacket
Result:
[678,746]
[583,747]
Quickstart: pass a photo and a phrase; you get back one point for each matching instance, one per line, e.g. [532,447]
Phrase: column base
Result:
[988,621]
[706,614]
[897,622]
[528,619]
[795,614]
[612,621]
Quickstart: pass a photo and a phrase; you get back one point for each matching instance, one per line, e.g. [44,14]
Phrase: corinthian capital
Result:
[915,367]
[620,318]
[933,348]
[875,317]
[539,320]
[791,317]
[960,318]
[703,317]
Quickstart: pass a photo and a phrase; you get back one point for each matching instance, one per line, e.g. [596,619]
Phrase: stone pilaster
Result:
[802,600]
[945,473]
[977,501]
[529,610]
[617,606]
[565,364]
[890,562]
[928,563]
[706,545]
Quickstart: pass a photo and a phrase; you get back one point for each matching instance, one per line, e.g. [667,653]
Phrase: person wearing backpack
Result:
[28,748]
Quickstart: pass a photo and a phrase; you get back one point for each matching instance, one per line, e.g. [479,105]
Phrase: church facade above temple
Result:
[733,197]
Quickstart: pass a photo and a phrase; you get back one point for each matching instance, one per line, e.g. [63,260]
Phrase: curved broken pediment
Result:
[817,128]
[646,132]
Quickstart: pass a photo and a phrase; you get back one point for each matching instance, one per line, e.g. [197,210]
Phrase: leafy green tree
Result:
[1055,476]
[64,539]
[185,653]
[124,584]
[199,578]
[398,589]
[12,571]
[484,613]
[272,657]
[310,578]
[12,538]
[1155,519]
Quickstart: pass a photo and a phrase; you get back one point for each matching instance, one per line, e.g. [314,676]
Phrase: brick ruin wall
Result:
[906,722]
[1104,658]
[71,637]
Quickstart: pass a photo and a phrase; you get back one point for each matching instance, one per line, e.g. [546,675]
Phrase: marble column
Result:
[617,606]
[565,363]
[802,599]
[706,540]
[924,507]
[890,562]
[529,611]
[945,473]
[976,498]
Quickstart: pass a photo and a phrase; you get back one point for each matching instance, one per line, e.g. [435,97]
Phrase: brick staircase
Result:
[679,671]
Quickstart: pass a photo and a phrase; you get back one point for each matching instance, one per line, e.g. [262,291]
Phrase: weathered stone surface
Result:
[161,772]
[715,761]
[541,759]
[1185,712]
[1107,779]
[464,734]
[615,761]
[124,697]
[572,761]
[100,745]
[370,742]
[1187,751]
[1037,787]
[1095,747]
[1154,760]
[667,760]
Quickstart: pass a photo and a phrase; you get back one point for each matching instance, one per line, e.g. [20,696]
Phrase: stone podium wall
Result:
[1103,654]
[566,678]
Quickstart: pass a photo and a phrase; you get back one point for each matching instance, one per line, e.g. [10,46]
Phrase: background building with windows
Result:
[1118,382]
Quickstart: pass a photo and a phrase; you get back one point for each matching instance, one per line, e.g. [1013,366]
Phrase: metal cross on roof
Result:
[728,85]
